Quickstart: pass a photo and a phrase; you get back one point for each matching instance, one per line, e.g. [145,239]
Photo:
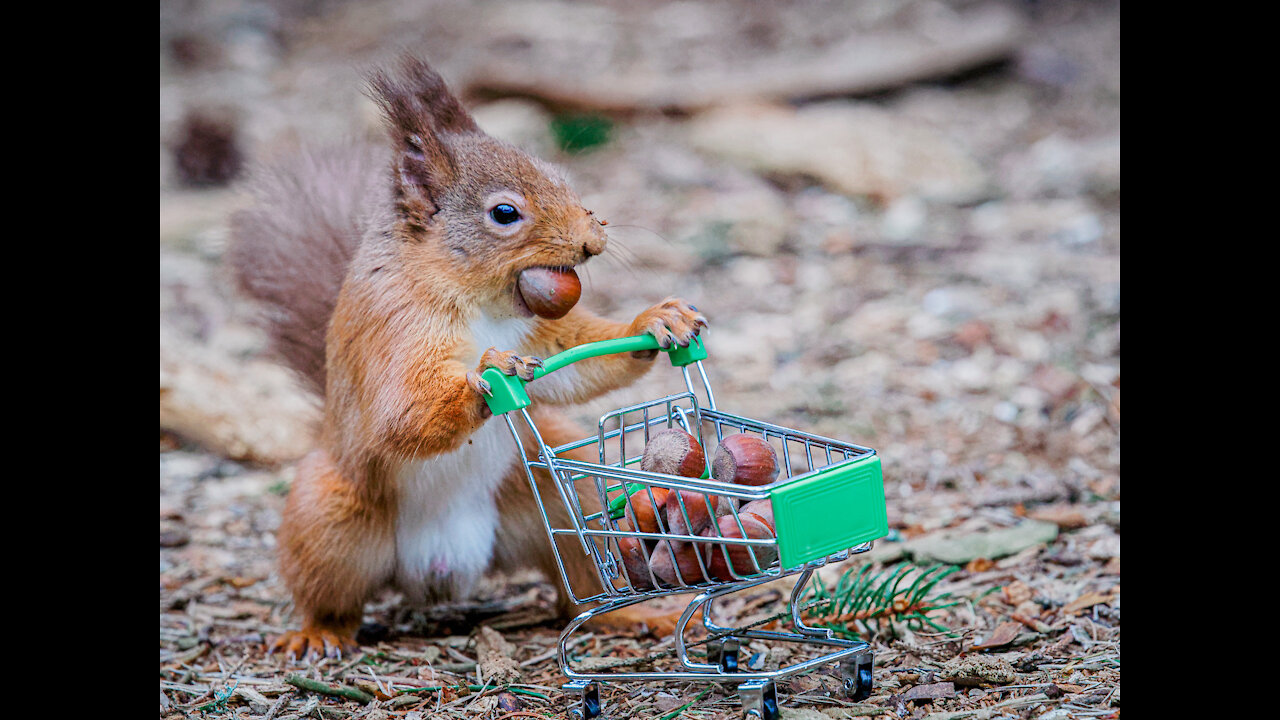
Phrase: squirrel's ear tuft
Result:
[419,109]
[416,98]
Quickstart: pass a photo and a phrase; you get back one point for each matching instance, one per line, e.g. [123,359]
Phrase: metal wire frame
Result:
[598,534]
[845,650]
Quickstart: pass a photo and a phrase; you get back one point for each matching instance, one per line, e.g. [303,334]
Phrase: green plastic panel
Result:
[688,355]
[508,391]
[832,510]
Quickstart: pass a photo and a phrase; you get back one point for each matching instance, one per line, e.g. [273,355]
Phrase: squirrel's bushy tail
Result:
[290,250]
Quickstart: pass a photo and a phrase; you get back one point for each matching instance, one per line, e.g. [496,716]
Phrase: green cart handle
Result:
[509,392]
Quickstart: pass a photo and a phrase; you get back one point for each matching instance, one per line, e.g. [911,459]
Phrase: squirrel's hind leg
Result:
[337,548]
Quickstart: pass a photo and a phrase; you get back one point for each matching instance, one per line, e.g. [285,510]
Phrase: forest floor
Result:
[924,261]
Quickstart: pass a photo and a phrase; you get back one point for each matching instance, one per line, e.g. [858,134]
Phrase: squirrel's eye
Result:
[504,214]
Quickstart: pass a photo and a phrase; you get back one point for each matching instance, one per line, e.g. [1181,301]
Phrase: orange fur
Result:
[429,284]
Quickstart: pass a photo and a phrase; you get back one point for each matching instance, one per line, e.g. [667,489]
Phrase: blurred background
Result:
[902,220]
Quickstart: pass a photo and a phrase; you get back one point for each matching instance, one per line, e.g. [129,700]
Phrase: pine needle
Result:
[874,602]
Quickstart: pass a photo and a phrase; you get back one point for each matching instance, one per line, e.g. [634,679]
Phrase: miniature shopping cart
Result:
[828,503]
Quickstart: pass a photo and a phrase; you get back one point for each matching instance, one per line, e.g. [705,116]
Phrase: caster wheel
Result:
[725,654]
[591,706]
[759,700]
[858,681]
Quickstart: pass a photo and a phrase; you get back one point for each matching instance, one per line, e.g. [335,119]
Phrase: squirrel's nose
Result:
[594,246]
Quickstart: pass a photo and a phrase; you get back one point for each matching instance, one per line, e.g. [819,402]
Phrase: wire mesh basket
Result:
[827,503]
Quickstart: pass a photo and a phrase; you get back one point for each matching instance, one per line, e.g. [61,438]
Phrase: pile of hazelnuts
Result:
[742,459]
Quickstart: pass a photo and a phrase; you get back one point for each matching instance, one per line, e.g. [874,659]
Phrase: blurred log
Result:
[862,64]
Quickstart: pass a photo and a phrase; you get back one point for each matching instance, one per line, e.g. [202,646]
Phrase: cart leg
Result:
[857,675]
[591,706]
[724,652]
[759,700]
[796,592]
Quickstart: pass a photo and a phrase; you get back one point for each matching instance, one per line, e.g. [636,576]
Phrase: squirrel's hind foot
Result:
[310,644]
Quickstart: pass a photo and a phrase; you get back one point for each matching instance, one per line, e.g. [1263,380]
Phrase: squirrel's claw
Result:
[308,645]
[671,322]
[479,384]
[509,363]
[526,366]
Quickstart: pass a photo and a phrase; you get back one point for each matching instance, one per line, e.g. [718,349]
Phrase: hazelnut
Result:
[745,460]
[669,555]
[634,558]
[674,452]
[549,292]
[762,509]
[700,513]
[739,555]
[642,510]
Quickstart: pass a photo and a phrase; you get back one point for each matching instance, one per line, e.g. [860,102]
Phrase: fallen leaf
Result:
[241,582]
[1064,516]
[509,702]
[1017,592]
[934,691]
[666,702]
[1086,600]
[1031,622]
[978,565]
[1004,634]
[959,548]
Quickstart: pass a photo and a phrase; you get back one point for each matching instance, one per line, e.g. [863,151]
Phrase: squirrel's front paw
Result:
[672,321]
[508,362]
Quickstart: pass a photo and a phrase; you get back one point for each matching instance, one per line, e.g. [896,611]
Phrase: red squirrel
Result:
[389,276]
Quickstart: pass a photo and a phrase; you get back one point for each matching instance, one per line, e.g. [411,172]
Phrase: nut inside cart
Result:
[653,534]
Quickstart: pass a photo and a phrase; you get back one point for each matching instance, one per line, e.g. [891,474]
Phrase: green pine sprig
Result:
[876,602]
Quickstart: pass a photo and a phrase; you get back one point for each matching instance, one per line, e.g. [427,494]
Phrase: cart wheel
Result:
[858,681]
[591,707]
[724,653]
[759,700]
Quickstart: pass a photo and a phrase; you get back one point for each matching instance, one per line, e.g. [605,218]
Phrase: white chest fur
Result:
[501,333]
[447,517]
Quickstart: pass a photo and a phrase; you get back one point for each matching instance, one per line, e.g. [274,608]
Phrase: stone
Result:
[958,549]
[866,151]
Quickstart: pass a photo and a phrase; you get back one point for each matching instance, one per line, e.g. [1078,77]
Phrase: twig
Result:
[280,703]
[333,689]
[458,668]
[554,650]
[186,656]
[359,658]
[379,683]
[472,688]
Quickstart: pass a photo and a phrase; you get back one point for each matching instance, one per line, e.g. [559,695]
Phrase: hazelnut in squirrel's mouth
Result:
[548,292]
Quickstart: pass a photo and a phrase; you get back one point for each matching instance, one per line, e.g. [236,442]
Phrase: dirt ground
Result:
[902,220]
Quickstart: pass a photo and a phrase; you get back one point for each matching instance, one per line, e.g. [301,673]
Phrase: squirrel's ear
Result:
[419,109]
[447,112]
